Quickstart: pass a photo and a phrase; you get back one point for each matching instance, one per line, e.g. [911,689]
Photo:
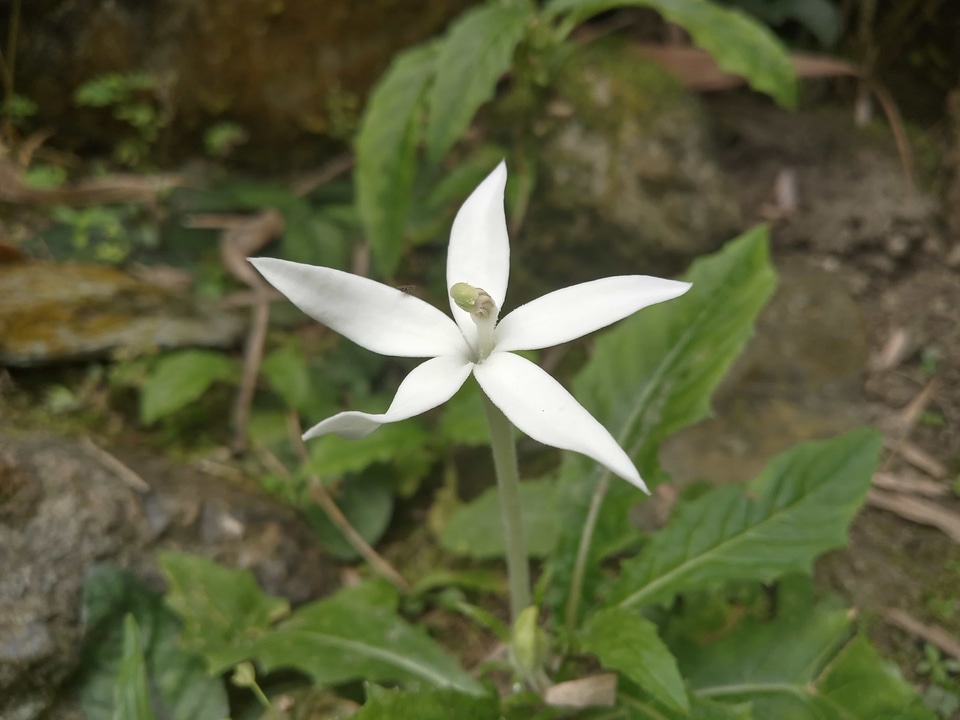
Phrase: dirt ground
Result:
[837,196]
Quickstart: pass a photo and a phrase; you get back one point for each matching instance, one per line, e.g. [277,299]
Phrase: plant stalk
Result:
[583,553]
[508,480]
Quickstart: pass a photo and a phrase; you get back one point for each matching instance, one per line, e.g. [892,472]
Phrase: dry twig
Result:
[917,510]
[306,184]
[910,485]
[243,236]
[930,633]
[119,468]
[320,495]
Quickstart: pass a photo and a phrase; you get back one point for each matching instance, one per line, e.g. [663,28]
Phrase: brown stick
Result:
[252,357]
[918,510]
[931,633]
[306,184]
[119,468]
[320,495]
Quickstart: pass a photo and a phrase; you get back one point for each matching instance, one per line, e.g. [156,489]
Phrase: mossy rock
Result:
[626,181]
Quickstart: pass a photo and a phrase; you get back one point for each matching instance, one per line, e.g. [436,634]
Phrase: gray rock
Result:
[63,507]
[54,312]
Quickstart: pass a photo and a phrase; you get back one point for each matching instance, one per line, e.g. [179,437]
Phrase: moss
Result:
[612,80]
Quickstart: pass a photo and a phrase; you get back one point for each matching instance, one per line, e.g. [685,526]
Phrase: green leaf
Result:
[820,17]
[800,666]
[430,705]
[635,704]
[867,686]
[179,378]
[131,697]
[394,443]
[739,44]
[342,638]
[220,608]
[288,374]
[626,642]
[367,503]
[650,376]
[481,581]
[477,50]
[798,507]
[386,153]
[463,420]
[182,688]
[476,529]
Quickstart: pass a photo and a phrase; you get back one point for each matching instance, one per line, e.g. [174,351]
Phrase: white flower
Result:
[390,322]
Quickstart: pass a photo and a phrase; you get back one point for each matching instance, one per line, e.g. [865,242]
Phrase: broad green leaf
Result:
[635,704]
[820,17]
[342,638]
[314,238]
[180,378]
[288,374]
[476,529]
[797,508]
[429,705]
[800,666]
[862,684]
[367,503]
[463,420]
[220,608]
[400,444]
[131,698]
[182,688]
[476,51]
[386,153]
[628,643]
[650,376]
[739,44]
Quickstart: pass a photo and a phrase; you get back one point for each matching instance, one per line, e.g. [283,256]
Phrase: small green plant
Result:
[19,109]
[943,694]
[135,99]
[223,138]
[675,623]
[103,233]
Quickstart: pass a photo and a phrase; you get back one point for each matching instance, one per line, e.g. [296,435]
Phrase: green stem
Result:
[583,553]
[508,480]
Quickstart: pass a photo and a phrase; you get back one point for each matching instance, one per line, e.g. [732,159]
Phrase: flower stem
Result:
[508,480]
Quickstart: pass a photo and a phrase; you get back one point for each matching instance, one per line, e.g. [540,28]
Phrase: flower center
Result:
[484,312]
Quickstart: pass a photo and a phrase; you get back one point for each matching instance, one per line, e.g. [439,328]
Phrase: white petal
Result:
[540,407]
[479,252]
[428,385]
[570,313]
[371,314]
